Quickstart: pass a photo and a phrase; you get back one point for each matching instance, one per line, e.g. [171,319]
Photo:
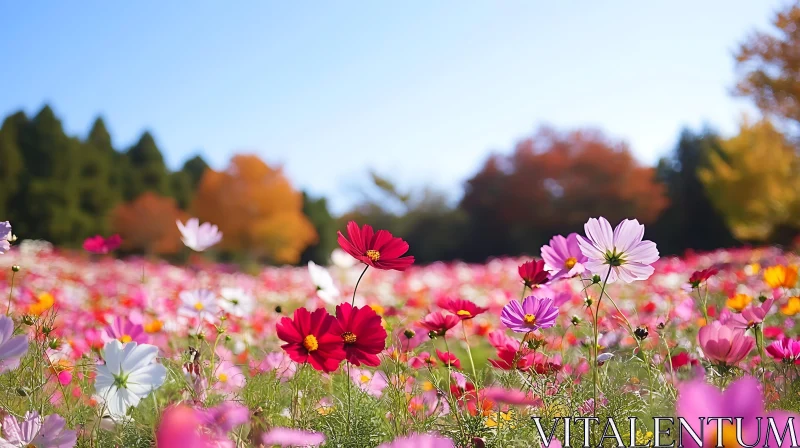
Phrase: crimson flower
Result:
[698,277]
[361,332]
[506,359]
[448,359]
[462,308]
[310,338]
[533,273]
[99,245]
[377,249]
[439,322]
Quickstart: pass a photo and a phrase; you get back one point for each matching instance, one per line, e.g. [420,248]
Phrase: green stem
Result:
[469,352]
[353,302]
[10,291]
[595,318]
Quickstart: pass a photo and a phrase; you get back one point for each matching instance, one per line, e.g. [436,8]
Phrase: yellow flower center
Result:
[464,313]
[728,436]
[374,255]
[125,338]
[570,262]
[349,338]
[310,343]
[198,306]
[364,379]
[223,377]
[529,319]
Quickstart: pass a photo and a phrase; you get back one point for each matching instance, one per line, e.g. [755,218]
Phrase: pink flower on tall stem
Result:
[378,249]
[563,257]
[786,350]
[752,315]
[725,344]
[533,273]
[124,330]
[462,308]
[438,322]
[618,254]
[534,313]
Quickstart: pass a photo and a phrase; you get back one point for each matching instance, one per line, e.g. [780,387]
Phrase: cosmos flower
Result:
[752,315]
[292,437]
[697,401]
[618,254]
[99,245]
[739,301]
[12,348]
[199,302]
[377,249]
[124,330]
[37,432]
[420,441]
[439,322]
[699,277]
[781,276]
[5,236]
[462,308]
[323,281]
[371,383]
[236,302]
[128,375]
[448,359]
[786,350]
[311,337]
[199,237]
[533,273]
[724,344]
[563,257]
[362,333]
[533,314]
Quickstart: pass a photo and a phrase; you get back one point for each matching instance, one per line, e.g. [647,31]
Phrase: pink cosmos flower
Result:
[371,383]
[124,330]
[179,427]
[563,257]
[786,350]
[742,399]
[533,314]
[439,322]
[618,254]
[199,237]
[725,344]
[420,441]
[752,315]
[35,431]
[510,396]
[99,245]
[11,348]
[292,437]
[448,359]
[5,237]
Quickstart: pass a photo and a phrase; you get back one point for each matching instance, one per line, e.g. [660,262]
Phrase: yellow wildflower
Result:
[792,306]
[44,302]
[643,439]
[739,302]
[501,419]
[781,276]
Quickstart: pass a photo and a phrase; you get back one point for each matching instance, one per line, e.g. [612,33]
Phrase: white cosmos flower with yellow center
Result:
[128,375]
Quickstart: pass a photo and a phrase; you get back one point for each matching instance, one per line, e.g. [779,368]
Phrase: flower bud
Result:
[409,333]
[15,268]
[27,320]
[278,309]
[432,334]
[588,302]
[596,279]
[22,392]
[762,298]
[576,320]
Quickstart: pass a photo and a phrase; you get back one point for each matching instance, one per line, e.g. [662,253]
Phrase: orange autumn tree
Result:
[147,224]
[257,210]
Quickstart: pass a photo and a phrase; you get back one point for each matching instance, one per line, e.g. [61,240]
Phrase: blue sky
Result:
[420,91]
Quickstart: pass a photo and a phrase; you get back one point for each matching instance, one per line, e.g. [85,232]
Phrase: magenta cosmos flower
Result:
[11,348]
[36,431]
[99,245]
[619,253]
[725,344]
[292,437]
[534,313]
[697,401]
[420,441]
[563,257]
[378,249]
[786,350]
[124,330]
[753,315]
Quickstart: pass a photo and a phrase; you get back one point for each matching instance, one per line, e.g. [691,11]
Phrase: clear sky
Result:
[419,90]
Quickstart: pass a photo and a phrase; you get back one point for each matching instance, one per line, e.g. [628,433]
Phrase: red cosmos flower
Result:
[99,245]
[377,249]
[698,277]
[361,332]
[533,274]
[309,338]
[448,359]
[464,309]
[439,322]
[507,355]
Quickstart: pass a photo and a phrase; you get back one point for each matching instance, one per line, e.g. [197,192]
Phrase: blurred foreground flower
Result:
[128,375]
[378,249]
[199,237]
[99,245]
[322,280]
[37,432]
[618,254]
[11,348]
[781,276]
[292,437]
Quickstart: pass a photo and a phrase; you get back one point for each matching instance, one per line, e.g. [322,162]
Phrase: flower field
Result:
[374,350]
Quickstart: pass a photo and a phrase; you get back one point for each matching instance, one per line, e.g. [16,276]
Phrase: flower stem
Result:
[10,291]
[596,337]
[469,352]
[353,302]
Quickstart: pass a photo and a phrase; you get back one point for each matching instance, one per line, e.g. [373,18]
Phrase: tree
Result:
[147,224]
[768,66]
[146,170]
[753,181]
[257,210]
[11,166]
[552,183]
[99,179]
[690,221]
[316,209]
[195,168]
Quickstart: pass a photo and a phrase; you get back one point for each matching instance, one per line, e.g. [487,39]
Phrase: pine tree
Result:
[11,167]
[195,168]
[99,179]
[145,170]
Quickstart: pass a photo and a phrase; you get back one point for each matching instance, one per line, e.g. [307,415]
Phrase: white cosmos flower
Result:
[199,302]
[342,259]
[326,290]
[236,301]
[128,375]
[199,237]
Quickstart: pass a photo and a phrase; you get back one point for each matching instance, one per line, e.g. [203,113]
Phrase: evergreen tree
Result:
[11,167]
[99,179]
[181,187]
[146,170]
[317,212]
[195,168]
